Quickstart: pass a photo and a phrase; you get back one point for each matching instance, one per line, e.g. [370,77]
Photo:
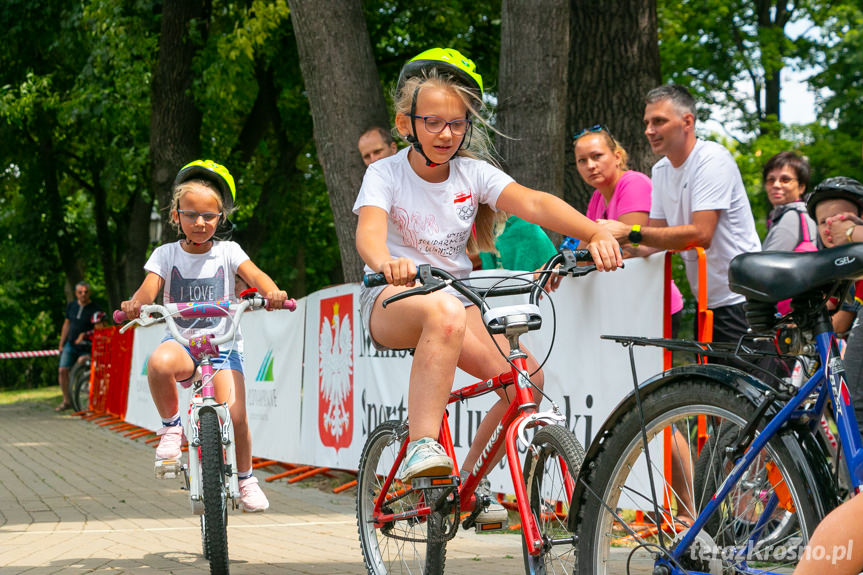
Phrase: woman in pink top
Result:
[621,194]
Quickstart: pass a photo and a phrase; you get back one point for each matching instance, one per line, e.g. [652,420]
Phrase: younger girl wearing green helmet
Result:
[200,268]
[419,206]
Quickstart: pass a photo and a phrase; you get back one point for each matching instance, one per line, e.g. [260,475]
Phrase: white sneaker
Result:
[252,499]
[425,457]
[170,446]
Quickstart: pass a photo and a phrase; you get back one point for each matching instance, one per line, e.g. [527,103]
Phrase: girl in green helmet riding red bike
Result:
[420,207]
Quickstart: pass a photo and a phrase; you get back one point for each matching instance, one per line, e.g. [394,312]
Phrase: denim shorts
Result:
[71,352]
[231,359]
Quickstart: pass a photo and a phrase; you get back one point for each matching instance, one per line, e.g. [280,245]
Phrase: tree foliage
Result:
[77,112]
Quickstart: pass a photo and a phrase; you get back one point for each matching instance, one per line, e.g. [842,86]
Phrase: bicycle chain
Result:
[448,533]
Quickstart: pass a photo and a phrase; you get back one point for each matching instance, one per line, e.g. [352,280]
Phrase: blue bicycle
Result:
[708,468]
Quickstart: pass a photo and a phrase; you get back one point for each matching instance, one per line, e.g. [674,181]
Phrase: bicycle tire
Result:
[546,492]
[394,547]
[79,386]
[215,497]
[618,475]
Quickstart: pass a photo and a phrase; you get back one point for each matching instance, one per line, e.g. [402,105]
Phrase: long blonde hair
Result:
[477,146]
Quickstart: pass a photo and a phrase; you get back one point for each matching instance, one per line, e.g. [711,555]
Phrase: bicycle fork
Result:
[194,481]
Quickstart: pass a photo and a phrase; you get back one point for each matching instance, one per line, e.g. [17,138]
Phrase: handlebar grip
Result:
[290,304]
[374,280]
[582,256]
[120,316]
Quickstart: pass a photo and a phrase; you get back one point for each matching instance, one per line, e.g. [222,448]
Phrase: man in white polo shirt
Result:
[698,200]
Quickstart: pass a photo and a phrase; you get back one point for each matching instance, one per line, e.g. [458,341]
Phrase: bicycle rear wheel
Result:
[763,523]
[414,545]
[550,468]
[215,518]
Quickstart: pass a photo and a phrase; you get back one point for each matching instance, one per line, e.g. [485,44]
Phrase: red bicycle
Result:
[404,526]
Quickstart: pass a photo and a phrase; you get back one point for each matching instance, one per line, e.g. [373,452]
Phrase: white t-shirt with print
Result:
[199,277]
[431,222]
[708,180]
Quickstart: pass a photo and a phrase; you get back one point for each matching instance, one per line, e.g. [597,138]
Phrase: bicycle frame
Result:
[832,373]
[521,413]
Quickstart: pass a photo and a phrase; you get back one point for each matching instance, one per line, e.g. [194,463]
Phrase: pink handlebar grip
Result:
[290,304]
[120,316]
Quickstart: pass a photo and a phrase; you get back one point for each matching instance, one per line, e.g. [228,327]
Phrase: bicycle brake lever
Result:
[433,285]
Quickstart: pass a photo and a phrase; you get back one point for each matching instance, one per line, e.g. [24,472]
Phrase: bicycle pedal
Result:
[482,527]
[435,482]
[167,468]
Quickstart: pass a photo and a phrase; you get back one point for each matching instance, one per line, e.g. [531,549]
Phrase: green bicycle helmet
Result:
[838,188]
[447,62]
[212,172]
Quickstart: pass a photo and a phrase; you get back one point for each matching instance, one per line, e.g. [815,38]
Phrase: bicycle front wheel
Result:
[79,386]
[413,545]
[763,523]
[550,468]
[215,519]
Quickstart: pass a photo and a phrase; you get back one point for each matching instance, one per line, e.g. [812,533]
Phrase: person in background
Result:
[620,193]
[786,177]
[376,143]
[521,246]
[78,315]
[836,204]
[698,200]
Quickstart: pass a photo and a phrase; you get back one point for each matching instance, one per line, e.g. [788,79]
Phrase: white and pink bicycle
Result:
[211,473]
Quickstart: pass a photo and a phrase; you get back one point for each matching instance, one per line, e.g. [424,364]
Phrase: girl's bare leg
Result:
[168,364]
[434,325]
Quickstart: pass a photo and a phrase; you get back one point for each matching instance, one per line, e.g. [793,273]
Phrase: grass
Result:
[47,395]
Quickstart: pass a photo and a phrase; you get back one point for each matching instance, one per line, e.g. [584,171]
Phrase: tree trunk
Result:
[534,51]
[614,62]
[345,97]
[175,121]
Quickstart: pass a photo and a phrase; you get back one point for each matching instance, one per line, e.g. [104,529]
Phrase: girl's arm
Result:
[372,246]
[145,295]
[553,213]
[256,278]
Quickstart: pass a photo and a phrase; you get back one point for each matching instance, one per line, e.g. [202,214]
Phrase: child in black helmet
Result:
[200,268]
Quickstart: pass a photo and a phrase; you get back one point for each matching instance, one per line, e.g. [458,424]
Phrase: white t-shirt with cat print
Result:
[199,277]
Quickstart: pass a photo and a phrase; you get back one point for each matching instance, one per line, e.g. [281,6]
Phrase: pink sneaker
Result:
[171,442]
[252,499]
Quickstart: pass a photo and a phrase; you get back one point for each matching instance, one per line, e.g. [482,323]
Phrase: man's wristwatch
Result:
[635,235]
[849,232]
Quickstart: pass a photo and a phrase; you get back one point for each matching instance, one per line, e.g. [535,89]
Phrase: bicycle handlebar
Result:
[220,308]
[433,279]
[379,279]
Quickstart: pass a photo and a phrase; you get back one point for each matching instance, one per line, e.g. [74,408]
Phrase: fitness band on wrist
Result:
[634,236]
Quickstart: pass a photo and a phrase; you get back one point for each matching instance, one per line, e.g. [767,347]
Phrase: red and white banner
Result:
[25,354]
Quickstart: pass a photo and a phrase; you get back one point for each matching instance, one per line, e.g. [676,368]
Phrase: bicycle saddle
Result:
[775,276]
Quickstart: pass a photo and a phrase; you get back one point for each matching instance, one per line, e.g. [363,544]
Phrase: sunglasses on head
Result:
[592,130]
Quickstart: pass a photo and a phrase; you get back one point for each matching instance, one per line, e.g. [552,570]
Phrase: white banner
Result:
[348,387]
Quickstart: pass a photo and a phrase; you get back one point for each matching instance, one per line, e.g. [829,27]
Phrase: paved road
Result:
[78,498]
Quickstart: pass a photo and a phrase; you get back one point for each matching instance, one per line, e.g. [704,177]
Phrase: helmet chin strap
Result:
[414,141]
